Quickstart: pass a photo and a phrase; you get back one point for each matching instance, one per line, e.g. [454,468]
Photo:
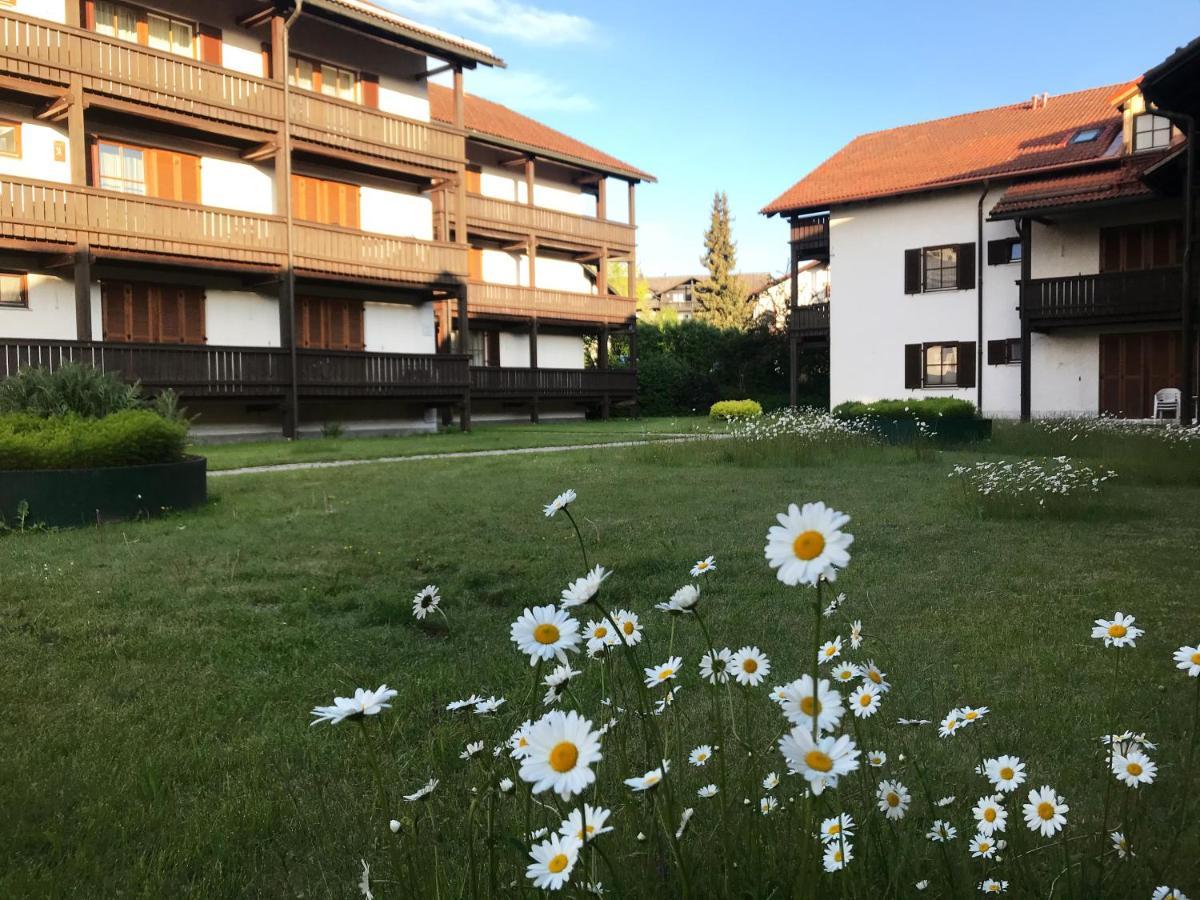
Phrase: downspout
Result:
[1187,312]
[981,264]
[290,272]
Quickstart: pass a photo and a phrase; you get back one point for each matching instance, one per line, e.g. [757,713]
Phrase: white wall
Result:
[562,275]
[54,10]
[232,184]
[51,312]
[1001,384]
[558,351]
[553,187]
[396,213]
[502,267]
[240,319]
[398,328]
[242,52]
[404,97]
[37,149]
[1065,374]
[514,350]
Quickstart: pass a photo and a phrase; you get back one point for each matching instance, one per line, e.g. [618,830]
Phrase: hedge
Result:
[127,438]
[735,409]
[927,409]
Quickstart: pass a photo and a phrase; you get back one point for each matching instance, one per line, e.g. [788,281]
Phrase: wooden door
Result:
[1133,367]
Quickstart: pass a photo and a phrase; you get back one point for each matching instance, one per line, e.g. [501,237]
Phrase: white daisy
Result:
[455,705]
[822,762]
[990,816]
[363,703]
[700,755]
[1121,845]
[799,703]
[1188,659]
[709,790]
[844,673]
[950,725]
[1117,632]
[545,632]
[1168,893]
[1006,773]
[471,749]
[770,782]
[683,600]
[562,501]
[909,722]
[835,828]
[876,676]
[562,749]
[394,826]
[656,675]
[581,590]
[423,791]
[1045,811]
[1134,768]
[364,883]
[553,860]
[518,744]
[426,601]
[856,635]
[876,758]
[894,799]
[864,700]
[1125,742]
[490,705]
[971,714]
[631,631]
[768,805]
[714,666]
[982,846]
[808,544]
[599,635]
[922,884]
[651,779]
[838,855]
[941,831]
[992,886]
[506,785]
[704,566]
[750,666]
[830,650]
[596,818]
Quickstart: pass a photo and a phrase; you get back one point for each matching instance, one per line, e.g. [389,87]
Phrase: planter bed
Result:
[949,430]
[71,497]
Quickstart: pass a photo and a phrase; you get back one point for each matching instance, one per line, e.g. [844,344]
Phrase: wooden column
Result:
[602,198]
[1191,277]
[464,346]
[534,411]
[530,180]
[633,252]
[793,307]
[1026,232]
[287,301]
[77,133]
[73,18]
[602,273]
[83,293]
[531,250]
[459,107]
[602,365]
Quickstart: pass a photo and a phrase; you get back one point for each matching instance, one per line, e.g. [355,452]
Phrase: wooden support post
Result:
[464,346]
[602,198]
[602,349]
[793,308]
[530,180]
[279,63]
[532,247]
[459,102]
[1190,279]
[76,133]
[291,405]
[633,252]
[534,411]
[83,293]
[73,19]
[602,273]
[1026,232]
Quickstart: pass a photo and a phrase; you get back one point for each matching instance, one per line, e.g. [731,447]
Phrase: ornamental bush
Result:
[72,389]
[735,409]
[126,438]
[926,409]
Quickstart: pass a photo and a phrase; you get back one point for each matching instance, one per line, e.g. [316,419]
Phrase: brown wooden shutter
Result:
[210,44]
[474,179]
[966,364]
[1110,249]
[141,326]
[492,349]
[912,365]
[965,254]
[369,85]
[194,330]
[266,60]
[475,264]
[335,311]
[114,308]
[912,272]
[999,251]
[354,325]
[87,14]
[169,301]
[997,353]
[172,175]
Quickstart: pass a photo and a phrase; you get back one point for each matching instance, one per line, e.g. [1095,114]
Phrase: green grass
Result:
[483,437]
[156,677]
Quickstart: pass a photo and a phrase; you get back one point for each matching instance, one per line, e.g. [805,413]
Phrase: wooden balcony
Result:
[583,384]
[41,214]
[152,80]
[811,321]
[550,224]
[810,237]
[1149,295]
[203,371]
[507,301]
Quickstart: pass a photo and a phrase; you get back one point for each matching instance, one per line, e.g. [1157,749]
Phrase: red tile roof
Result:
[1009,140]
[488,119]
[1103,184]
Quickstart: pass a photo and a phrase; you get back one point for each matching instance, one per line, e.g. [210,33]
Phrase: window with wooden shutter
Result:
[966,364]
[966,267]
[211,41]
[474,179]
[369,88]
[912,271]
[475,264]
[1004,352]
[329,324]
[173,175]
[138,295]
[1003,251]
[149,313]
[1127,248]
[325,202]
[492,349]
[912,365]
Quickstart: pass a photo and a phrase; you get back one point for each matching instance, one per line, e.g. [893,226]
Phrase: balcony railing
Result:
[810,237]
[108,67]
[208,371]
[517,383]
[506,300]
[1150,295]
[811,320]
[43,212]
[522,218]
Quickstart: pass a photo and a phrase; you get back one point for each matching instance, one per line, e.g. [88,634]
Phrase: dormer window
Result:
[1084,136]
[1150,132]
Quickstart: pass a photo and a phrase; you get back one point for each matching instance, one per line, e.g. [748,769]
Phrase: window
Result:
[122,168]
[947,267]
[1150,132]
[150,29]
[1127,248]
[329,324]
[941,365]
[323,78]
[1085,136]
[303,74]
[141,312]
[170,35]
[14,290]
[154,172]
[1003,251]
[940,268]
[10,139]
[1004,352]
[117,20]
[326,202]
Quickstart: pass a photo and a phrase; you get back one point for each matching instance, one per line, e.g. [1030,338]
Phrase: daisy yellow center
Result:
[989,815]
[984,846]
[830,650]
[546,633]
[874,676]
[557,863]
[701,565]
[835,829]
[970,716]
[815,759]
[601,632]
[665,674]
[893,799]
[627,627]
[808,545]
[810,705]
[1134,769]
[1006,773]
[1045,810]
[564,756]
[652,779]
[1196,658]
[750,665]
[837,855]
[701,756]
[864,700]
[1117,631]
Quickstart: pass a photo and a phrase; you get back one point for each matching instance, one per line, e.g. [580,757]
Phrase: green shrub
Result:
[72,389]
[126,438]
[735,409]
[926,410]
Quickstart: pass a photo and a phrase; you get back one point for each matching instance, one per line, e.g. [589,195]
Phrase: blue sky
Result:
[748,97]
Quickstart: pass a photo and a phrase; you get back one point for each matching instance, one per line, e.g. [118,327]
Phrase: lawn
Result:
[157,676]
[484,436]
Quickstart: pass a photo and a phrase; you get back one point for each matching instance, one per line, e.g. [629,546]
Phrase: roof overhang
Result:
[1174,84]
[631,175]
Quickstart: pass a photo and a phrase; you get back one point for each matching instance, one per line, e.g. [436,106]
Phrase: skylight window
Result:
[1085,135]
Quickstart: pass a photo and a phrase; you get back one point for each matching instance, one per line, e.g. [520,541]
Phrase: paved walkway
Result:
[465,454]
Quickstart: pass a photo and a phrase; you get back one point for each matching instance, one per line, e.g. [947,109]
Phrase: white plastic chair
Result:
[1167,401]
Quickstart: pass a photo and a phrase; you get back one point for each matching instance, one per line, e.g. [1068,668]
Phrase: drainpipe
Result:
[1187,313]
[290,271]
[981,264]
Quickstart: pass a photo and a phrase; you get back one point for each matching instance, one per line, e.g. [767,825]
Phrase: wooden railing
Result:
[43,212]
[109,67]
[523,218]
[811,237]
[496,381]
[1146,295]
[208,371]
[507,300]
[812,319]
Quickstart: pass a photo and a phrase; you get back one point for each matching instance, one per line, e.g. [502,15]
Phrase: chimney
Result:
[1045,99]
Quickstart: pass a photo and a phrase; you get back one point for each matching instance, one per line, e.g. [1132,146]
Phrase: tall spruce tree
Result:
[722,296]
